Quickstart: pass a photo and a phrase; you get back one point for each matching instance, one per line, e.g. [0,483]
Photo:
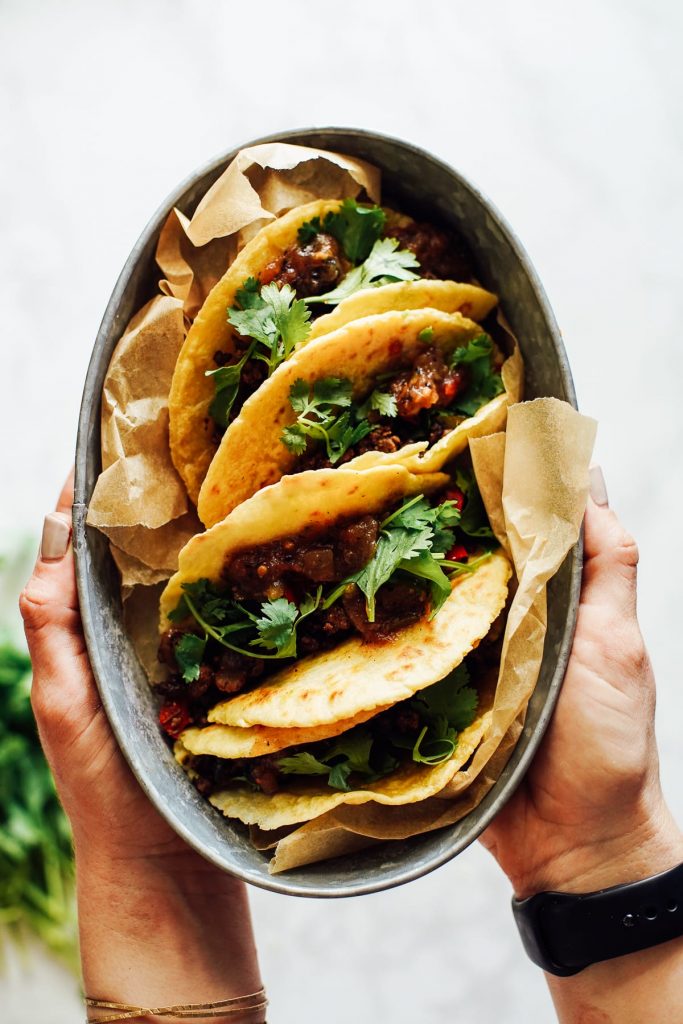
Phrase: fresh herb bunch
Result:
[443,711]
[36,867]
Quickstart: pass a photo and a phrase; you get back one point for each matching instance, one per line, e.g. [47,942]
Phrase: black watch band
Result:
[564,933]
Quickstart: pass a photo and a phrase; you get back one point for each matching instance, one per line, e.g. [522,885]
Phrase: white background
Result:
[569,117]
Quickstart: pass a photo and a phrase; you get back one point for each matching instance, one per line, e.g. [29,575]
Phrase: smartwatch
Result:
[565,933]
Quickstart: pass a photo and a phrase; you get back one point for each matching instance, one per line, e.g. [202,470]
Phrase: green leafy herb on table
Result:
[36,873]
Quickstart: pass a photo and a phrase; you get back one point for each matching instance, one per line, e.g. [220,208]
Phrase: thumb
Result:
[49,608]
[611,553]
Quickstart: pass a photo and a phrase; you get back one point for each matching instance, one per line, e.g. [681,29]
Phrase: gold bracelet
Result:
[187,1011]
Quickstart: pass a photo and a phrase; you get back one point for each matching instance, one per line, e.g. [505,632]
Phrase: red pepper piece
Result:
[455,495]
[458,553]
[174,716]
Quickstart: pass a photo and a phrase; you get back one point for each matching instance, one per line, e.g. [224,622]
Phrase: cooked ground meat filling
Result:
[310,269]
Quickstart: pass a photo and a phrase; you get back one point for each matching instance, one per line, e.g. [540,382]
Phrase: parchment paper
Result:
[139,501]
[534,482]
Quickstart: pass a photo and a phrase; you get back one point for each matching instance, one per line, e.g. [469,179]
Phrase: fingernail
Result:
[598,488]
[56,536]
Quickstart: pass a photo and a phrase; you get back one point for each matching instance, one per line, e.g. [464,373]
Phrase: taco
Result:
[328,610]
[314,259]
[381,389]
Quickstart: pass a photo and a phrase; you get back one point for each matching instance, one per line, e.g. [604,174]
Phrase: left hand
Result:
[177,928]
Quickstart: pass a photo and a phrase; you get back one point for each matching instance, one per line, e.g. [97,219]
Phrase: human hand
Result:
[590,811]
[159,924]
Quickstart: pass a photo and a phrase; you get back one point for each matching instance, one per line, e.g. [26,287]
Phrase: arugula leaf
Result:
[226,381]
[319,420]
[384,264]
[274,318]
[354,226]
[484,381]
[188,653]
[302,763]
[473,519]
[426,567]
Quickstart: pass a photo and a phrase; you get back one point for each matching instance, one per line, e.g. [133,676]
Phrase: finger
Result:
[610,570]
[49,608]
[66,498]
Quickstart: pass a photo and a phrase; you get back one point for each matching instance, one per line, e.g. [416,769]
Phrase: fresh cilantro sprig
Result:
[384,264]
[443,711]
[355,227]
[273,317]
[320,419]
[411,539]
[484,381]
[275,321]
[219,618]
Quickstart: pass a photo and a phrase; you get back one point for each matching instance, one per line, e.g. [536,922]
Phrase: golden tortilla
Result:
[251,454]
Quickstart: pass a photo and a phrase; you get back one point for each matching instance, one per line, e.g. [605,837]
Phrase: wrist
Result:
[641,845]
[163,930]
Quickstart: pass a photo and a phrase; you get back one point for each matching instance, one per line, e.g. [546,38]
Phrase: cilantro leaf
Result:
[427,567]
[338,777]
[451,698]
[355,227]
[308,230]
[383,403]
[318,417]
[220,617]
[189,652]
[274,318]
[276,627]
[385,263]
[294,439]
[426,335]
[484,381]
[248,296]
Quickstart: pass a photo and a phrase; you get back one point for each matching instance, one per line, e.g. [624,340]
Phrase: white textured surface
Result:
[568,116]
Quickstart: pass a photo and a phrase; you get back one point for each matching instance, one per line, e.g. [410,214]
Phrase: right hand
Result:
[590,811]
